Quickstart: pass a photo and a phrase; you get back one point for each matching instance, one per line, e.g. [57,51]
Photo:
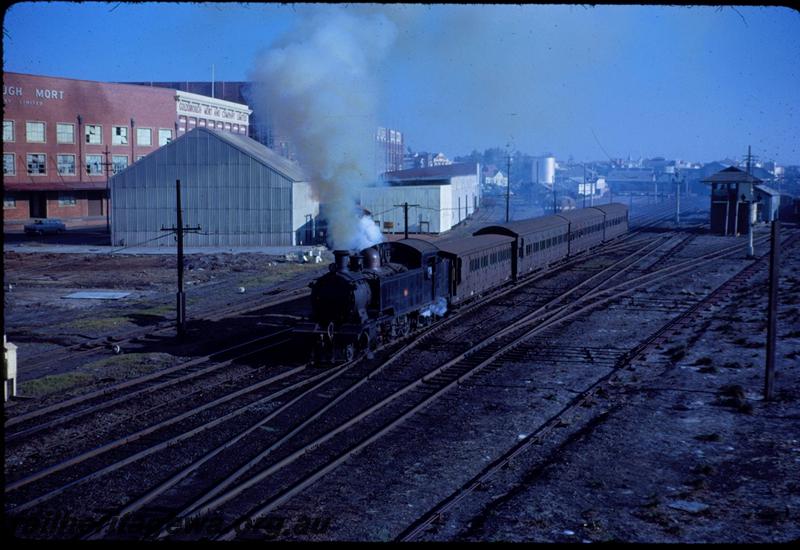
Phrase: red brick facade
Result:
[61,126]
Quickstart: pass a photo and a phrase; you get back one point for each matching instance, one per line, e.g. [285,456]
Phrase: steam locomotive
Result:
[388,290]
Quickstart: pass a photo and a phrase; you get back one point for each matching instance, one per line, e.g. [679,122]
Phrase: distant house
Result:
[493,176]
[441,160]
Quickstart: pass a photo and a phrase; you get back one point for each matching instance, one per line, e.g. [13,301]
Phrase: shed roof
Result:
[446,171]
[257,151]
[732,174]
[768,190]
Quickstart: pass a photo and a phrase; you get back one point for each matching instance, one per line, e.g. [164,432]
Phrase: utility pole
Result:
[508,185]
[584,186]
[751,204]
[774,261]
[107,166]
[405,206]
[179,230]
[677,200]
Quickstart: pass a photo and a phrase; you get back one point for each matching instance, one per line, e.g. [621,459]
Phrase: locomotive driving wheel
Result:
[402,327]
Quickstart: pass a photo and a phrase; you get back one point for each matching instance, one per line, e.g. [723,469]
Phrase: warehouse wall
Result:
[380,202]
[236,200]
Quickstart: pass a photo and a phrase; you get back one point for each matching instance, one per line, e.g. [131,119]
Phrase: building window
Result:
[9,166]
[37,164]
[94,165]
[65,133]
[119,135]
[94,134]
[144,137]
[201,122]
[192,121]
[9,202]
[66,165]
[119,163]
[66,200]
[34,132]
[139,157]
[164,137]
[8,130]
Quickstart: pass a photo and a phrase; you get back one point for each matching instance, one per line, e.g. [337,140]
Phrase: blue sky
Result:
[697,83]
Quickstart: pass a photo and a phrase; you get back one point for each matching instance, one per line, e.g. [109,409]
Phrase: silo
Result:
[544,170]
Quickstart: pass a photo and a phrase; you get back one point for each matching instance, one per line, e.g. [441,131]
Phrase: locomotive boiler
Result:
[375,295]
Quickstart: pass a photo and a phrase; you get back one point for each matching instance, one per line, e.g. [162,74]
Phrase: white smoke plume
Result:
[319,87]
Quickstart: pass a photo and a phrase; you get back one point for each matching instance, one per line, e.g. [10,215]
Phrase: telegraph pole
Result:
[772,314]
[405,206]
[179,230]
[508,184]
[750,208]
[584,186]
[554,198]
[107,165]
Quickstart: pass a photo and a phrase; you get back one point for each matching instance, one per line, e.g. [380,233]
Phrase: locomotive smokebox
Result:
[341,259]
[372,259]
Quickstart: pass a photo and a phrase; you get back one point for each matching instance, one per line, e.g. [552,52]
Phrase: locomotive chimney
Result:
[341,259]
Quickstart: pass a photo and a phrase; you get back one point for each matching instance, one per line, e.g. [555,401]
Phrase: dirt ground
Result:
[40,320]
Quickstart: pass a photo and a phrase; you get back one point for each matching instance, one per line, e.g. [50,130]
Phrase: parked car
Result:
[50,225]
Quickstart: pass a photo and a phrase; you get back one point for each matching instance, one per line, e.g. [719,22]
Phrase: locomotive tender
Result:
[387,290]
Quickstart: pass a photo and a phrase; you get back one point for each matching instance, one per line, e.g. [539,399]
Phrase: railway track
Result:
[60,488]
[227,444]
[215,499]
[23,427]
[601,387]
[428,388]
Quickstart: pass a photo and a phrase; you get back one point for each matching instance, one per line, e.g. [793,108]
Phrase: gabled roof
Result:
[257,151]
[732,174]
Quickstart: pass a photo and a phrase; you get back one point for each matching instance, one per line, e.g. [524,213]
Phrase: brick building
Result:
[63,138]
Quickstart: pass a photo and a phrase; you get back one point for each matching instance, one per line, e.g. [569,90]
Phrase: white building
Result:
[441,160]
[442,197]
